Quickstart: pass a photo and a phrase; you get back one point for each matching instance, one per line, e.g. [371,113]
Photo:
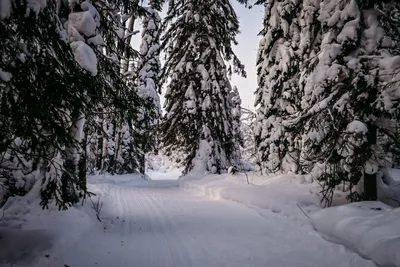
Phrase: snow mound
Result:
[30,236]
[368,228]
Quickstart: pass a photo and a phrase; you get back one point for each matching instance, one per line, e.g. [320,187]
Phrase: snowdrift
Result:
[30,236]
[368,228]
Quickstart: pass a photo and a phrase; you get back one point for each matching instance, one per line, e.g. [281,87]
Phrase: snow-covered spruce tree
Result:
[51,54]
[117,106]
[148,82]
[248,150]
[344,73]
[198,119]
[236,125]
[278,96]
[82,31]
[42,85]
[391,24]
[345,98]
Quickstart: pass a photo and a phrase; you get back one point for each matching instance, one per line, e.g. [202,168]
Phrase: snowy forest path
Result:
[165,226]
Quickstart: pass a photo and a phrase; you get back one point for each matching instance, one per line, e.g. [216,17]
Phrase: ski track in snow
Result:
[171,227]
[166,226]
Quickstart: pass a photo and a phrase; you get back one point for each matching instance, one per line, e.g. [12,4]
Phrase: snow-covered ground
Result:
[287,195]
[157,223]
[369,228]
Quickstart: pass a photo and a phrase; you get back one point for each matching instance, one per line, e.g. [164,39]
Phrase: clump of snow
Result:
[5,76]
[86,6]
[83,22]
[5,9]
[357,127]
[368,228]
[35,5]
[96,40]
[85,56]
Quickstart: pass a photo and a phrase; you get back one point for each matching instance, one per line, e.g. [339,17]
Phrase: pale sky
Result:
[250,26]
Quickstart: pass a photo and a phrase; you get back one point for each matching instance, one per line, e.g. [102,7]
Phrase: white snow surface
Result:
[369,228]
[156,223]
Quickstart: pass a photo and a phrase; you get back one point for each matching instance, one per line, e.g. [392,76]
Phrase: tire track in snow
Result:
[173,245]
[169,250]
[168,227]
[183,239]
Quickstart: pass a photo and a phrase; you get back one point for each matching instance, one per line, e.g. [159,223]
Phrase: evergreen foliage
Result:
[55,81]
[148,85]
[327,90]
[198,119]
[278,96]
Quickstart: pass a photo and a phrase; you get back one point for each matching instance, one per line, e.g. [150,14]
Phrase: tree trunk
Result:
[142,163]
[129,31]
[370,191]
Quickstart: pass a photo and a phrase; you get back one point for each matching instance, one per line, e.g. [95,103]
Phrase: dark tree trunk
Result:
[142,163]
[370,192]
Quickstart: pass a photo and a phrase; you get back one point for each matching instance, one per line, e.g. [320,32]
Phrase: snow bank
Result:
[280,194]
[30,236]
[368,228]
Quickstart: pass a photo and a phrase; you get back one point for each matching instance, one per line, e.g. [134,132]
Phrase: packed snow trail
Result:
[157,224]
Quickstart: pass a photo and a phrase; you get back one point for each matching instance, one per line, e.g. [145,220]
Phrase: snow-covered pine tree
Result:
[198,119]
[248,150]
[278,95]
[148,82]
[236,111]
